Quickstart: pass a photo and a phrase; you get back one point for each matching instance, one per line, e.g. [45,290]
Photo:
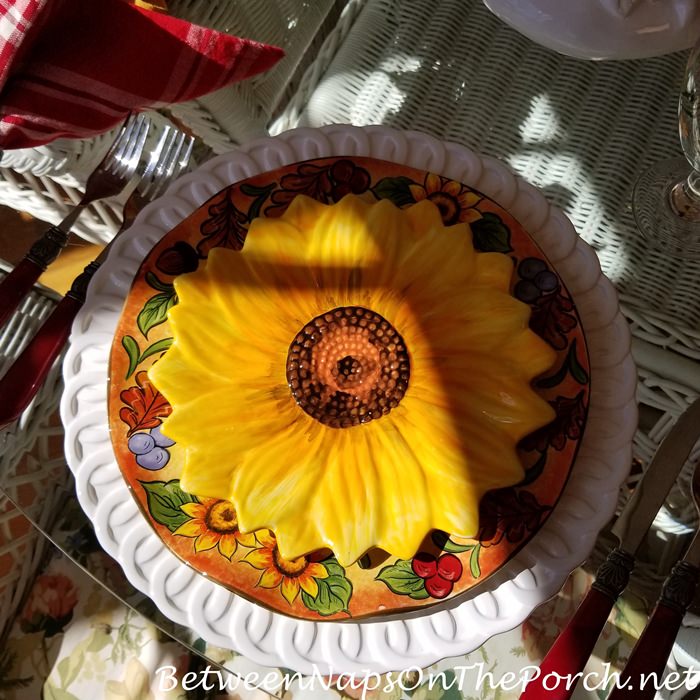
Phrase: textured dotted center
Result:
[348,366]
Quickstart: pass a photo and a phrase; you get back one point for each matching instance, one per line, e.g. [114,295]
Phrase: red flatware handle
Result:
[645,667]
[19,282]
[561,668]
[28,372]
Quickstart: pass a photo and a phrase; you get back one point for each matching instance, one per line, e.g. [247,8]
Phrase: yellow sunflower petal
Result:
[195,510]
[453,188]
[316,569]
[467,199]
[424,219]
[260,558]
[207,540]
[270,578]
[433,183]
[228,545]
[308,584]
[417,192]
[451,252]
[276,484]
[190,528]
[469,216]
[290,589]
[247,540]
[266,538]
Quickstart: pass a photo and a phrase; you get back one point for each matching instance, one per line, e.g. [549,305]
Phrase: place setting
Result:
[186,551]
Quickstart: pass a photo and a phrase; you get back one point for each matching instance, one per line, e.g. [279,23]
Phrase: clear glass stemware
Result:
[666,197]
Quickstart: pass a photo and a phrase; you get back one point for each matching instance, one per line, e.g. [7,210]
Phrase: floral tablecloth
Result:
[74,640]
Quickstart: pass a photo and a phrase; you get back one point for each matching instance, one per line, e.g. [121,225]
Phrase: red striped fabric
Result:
[75,68]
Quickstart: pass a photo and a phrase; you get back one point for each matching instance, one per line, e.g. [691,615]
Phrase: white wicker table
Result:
[580,131]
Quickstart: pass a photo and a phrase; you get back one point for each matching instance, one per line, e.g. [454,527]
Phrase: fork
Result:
[110,177]
[29,371]
[650,654]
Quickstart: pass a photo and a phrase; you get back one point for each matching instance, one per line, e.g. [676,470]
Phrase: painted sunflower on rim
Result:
[355,378]
[291,576]
[213,523]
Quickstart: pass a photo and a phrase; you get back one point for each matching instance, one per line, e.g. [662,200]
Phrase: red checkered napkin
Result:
[75,68]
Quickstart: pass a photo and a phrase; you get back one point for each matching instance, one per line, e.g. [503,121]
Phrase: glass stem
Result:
[685,197]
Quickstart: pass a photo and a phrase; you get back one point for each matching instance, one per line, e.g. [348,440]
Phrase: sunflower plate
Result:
[204,533]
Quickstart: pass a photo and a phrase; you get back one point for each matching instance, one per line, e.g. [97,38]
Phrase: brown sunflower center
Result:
[448,206]
[289,567]
[222,517]
[347,367]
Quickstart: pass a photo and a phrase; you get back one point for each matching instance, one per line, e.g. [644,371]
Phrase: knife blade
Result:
[573,647]
[640,511]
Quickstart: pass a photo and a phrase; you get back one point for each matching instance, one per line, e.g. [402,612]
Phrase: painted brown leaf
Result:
[145,405]
[311,180]
[226,226]
[552,319]
[568,424]
[510,513]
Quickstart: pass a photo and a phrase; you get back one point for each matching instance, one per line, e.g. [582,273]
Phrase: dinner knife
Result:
[645,666]
[574,645]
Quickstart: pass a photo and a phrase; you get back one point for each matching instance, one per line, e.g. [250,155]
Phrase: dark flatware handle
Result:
[646,664]
[19,282]
[28,372]
[573,647]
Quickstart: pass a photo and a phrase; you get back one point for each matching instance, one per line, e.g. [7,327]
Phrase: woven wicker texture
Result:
[242,111]
[31,481]
[46,181]
[581,131]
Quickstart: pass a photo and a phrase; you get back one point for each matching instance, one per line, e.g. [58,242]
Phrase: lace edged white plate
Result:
[416,639]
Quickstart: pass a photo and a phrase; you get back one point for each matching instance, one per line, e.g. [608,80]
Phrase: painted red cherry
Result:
[438,587]
[449,567]
[424,565]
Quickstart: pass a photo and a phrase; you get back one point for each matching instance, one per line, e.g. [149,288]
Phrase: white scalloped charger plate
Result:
[417,639]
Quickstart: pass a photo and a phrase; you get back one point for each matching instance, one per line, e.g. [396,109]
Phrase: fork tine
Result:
[134,144]
[124,137]
[179,158]
[167,165]
[156,154]
[118,165]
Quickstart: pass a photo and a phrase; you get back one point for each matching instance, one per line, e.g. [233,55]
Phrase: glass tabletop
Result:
[580,131]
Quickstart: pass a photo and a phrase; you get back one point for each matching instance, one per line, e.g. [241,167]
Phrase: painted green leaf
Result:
[164,499]
[334,592]
[157,347]
[133,351]
[571,365]
[154,282]
[396,189]
[577,371]
[442,540]
[260,194]
[555,379]
[474,567]
[535,471]
[401,579]
[155,311]
[491,234]
[255,191]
